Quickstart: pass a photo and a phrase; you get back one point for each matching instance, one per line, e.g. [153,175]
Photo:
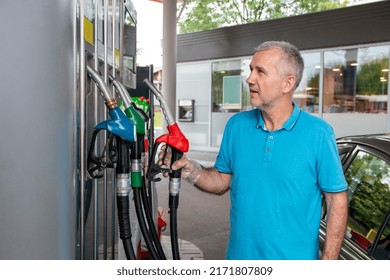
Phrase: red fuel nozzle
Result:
[175,138]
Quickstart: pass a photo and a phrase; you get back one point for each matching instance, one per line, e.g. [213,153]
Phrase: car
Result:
[366,164]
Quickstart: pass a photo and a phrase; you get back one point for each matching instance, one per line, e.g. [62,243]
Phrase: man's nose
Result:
[250,79]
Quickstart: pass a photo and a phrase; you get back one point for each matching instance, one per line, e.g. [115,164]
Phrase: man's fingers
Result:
[180,163]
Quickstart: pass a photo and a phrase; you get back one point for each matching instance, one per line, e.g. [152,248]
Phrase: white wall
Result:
[194,82]
[356,123]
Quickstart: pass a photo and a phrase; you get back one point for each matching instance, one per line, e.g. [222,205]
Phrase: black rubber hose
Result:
[124,226]
[176,155]
[142,224]
[173,205]
[122,199]
[150,221]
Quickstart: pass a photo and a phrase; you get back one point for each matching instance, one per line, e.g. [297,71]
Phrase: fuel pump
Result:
[123,130]
[140,119]
[179,144]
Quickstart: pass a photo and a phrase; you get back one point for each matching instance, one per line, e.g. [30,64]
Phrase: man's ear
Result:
[289,84]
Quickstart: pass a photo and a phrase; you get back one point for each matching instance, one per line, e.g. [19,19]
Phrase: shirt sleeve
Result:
[223,161]
[330,172]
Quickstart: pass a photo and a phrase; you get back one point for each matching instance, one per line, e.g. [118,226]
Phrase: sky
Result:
[149,32]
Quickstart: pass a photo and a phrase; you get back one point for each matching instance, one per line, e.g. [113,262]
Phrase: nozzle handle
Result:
[97,164]
[154,169]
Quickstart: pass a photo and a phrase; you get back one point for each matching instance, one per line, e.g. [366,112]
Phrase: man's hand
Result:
[191,169]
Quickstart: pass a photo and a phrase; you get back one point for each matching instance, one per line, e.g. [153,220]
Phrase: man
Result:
[277,161]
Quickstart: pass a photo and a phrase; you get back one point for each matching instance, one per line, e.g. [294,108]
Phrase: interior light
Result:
[385,70]
[336,69]
[354,64]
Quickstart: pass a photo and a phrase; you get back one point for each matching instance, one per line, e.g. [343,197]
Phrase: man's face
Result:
[265,80]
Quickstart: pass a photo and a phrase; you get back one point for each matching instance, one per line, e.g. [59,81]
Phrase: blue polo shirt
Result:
[276,185]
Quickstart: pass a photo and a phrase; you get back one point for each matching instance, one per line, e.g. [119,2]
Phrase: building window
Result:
[230,92]
[356,80]
[226,93]
[306,96]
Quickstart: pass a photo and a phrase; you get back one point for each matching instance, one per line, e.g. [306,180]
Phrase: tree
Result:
[369,76]
[197,15]
[368,180]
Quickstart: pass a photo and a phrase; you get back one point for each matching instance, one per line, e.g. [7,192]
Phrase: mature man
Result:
[277,161]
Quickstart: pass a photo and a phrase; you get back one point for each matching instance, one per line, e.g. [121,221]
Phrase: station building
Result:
[345,81]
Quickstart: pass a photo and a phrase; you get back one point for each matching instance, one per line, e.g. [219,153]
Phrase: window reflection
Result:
[245,72]
[382,250]
[226,83]
[130,38]
[306,96]
[368,178]
[356,80]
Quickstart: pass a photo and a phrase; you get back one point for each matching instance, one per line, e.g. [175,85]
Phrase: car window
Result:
[368,178]
[382,250]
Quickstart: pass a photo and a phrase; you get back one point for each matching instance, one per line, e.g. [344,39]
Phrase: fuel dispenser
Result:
[179,144]
[124,132]
[119,155]
[106,36]
[140,119]
[95,148]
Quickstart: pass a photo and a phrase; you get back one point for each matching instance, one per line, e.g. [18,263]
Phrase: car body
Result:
[366,164]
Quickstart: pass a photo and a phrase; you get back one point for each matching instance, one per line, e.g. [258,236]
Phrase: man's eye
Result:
[260,70]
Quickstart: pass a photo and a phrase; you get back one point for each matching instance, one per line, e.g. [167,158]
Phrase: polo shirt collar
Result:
[288,125]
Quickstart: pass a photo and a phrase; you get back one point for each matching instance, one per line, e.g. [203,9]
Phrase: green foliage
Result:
[368,77]
[368,178]
[208,14]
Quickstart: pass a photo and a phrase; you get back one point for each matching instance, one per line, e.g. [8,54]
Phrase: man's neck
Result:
[275,118]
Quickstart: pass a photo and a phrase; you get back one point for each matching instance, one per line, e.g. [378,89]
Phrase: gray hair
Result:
[291,61]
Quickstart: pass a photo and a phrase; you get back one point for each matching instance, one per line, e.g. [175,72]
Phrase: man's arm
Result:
[207,179]
[337,215]
[213,181]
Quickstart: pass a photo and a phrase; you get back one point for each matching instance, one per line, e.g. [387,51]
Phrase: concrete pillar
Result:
[169,56]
